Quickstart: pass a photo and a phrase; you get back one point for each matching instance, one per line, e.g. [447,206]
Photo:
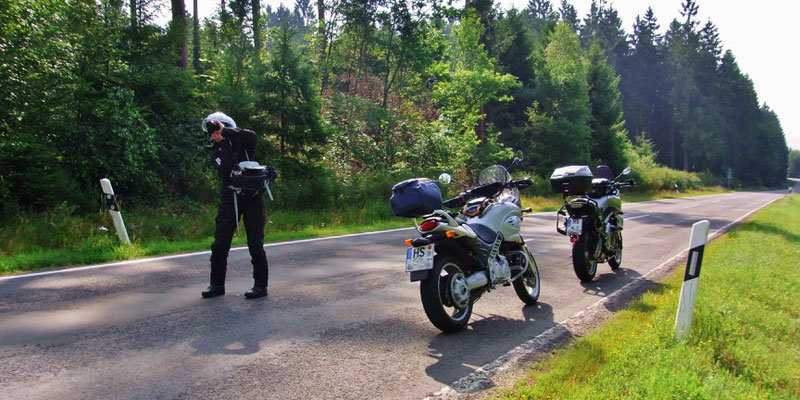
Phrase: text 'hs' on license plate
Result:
[419,258]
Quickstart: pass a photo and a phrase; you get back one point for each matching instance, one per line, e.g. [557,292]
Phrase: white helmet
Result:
[221,117]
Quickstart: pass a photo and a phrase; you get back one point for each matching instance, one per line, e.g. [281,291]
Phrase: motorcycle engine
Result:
[500,270]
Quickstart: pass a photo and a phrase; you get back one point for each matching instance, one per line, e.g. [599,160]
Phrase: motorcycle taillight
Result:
[429,225]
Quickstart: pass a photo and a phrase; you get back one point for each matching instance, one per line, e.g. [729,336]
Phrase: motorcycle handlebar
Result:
[487,190]
[629,183]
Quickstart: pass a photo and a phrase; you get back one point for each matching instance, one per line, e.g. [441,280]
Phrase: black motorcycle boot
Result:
[256,292]
[213,291]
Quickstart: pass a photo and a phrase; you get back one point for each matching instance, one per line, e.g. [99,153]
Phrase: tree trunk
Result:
[672,141]
[178,29]
[323,43]
[685,157]
[134,19]
[196,39]
[256,6]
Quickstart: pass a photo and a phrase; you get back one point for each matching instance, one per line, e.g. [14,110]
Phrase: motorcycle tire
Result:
[528,286]
[437,297]
[616,259]
[583,260]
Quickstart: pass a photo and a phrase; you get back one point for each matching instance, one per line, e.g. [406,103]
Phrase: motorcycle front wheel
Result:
[616,260]
[528,285]
[445,297]
[583,260]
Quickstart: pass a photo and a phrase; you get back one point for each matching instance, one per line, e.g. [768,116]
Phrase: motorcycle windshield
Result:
[495,173]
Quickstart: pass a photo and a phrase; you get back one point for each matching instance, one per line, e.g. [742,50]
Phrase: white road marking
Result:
[690,206]
[637,217]
[199,253]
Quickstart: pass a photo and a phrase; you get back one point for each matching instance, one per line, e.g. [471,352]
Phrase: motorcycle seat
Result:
[484,232]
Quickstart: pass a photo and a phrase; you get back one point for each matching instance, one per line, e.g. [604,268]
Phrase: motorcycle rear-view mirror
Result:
[626,171]
[445,178]
[518,154]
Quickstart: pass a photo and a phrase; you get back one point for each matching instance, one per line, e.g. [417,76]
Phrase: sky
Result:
[761,35]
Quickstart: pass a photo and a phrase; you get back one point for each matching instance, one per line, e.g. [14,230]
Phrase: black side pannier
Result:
[415,197]
[252,179]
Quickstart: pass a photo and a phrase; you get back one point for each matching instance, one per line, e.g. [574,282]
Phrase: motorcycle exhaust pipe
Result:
[476,280]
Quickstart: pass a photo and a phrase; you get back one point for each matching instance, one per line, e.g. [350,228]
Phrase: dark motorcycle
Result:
[591,216]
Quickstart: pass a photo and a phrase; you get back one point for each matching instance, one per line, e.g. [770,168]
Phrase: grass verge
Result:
[745,340]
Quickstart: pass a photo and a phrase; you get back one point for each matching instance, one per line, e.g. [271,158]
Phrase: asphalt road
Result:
[342,319]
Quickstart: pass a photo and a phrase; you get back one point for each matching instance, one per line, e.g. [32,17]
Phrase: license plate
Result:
[419,258]
[574,226]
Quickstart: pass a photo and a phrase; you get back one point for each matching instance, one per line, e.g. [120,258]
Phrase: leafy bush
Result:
[651,176]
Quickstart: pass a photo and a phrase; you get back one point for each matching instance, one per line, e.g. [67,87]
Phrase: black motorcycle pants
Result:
[251,209]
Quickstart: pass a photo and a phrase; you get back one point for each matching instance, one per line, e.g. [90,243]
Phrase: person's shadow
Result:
[222,335]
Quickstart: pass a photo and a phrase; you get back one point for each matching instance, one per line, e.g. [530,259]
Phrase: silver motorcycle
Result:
[462,255]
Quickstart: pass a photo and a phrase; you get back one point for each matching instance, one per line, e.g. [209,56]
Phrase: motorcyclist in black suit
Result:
[233,145]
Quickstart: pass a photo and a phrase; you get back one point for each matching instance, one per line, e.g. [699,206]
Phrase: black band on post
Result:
[111,201]
[693,263]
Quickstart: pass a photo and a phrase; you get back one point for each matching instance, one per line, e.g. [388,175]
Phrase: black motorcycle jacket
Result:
[238,145]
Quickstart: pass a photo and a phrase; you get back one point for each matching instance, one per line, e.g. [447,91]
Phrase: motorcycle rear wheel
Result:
[437,297]
[583,260]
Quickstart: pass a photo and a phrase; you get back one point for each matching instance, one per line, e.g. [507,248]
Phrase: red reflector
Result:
[429,225]
[573,239]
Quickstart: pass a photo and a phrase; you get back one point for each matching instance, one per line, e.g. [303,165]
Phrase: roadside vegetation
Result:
[62,237]
[745,338]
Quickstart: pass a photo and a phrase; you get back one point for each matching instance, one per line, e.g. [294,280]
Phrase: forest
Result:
[350,96]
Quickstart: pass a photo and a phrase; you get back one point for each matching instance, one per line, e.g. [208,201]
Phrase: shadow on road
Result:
[487,336]
[227,339]
[485,339]
[608,282]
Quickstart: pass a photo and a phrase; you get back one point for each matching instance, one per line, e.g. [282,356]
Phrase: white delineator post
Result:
[113,209]
[697,243]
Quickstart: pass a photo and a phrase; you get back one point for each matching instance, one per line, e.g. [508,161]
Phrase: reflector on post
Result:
[113,209]
[697,243]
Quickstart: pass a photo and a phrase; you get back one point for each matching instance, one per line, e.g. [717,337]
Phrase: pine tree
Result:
[609,140]
[644,83]
[740,113]
[569,15]
[559,130]
[287,99]
[603,25]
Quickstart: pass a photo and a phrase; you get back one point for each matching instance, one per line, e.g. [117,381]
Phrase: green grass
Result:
[745,339]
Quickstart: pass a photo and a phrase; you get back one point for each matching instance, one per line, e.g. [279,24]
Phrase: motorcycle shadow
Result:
[485,339]
[625,299]
[608,282]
